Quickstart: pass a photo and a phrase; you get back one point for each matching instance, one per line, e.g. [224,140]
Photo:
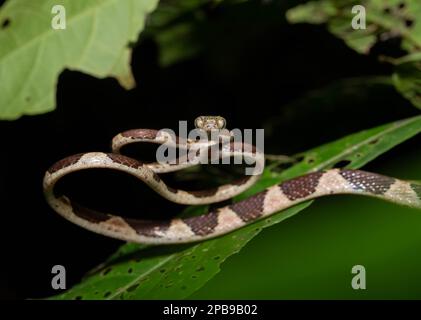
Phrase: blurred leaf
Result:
[174,26]
[315,12]
[385,19]
[407,79]
[177,27]
[32,54]
[177,43]
[175,272]
[172,11]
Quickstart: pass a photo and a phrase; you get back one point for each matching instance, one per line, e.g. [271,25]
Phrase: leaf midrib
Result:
[394,126]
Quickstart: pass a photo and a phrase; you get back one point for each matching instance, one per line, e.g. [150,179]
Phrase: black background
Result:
[252,66]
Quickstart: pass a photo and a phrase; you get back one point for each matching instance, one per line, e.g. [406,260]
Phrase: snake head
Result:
[209,123]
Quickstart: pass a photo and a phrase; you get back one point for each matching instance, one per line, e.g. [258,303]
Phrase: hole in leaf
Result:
[342,164]
[106,271]
[133,287]
[300,158]
[374,141]
[310,160]
[130,270]
[201,268]
[401,5]
[358,155]
[409,23]
[216,258]
[283,166]
[162,270]
[5,23]
[107,294]
[78,298]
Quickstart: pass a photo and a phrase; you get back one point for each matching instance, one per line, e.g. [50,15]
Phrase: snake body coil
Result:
[222,220]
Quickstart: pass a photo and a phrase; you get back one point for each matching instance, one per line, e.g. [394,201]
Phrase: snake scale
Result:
[216,222]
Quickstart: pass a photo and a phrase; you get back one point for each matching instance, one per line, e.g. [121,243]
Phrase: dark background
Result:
[252,68]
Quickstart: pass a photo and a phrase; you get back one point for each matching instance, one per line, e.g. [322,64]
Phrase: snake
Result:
[215,222]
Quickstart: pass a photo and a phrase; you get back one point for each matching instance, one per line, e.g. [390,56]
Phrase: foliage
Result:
[385,20]
[33,54]
[175,272]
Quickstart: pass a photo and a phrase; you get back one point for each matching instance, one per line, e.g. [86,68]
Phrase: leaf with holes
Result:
[32,53]
[175,272]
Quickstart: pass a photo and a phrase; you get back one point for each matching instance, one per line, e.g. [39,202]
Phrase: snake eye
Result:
[221,123]
[198,122]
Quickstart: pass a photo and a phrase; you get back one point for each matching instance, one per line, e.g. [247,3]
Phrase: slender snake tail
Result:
[222,220]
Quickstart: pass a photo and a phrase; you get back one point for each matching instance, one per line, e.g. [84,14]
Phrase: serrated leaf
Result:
[32,54]
[175,272]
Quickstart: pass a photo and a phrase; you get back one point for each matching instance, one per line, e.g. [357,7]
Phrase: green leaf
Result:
[178,27]
[174,25]
[177,43]
[385,19]
[315,12]
[33,54]
[407,80]
[175,272]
